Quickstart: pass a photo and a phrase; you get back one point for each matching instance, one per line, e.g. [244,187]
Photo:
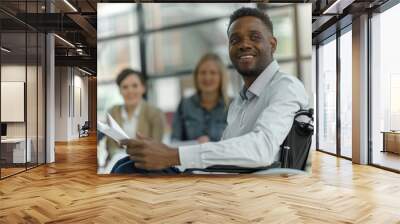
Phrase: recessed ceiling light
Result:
[337,7]
[64,40]
[70,5]
[5,50]
[84,71]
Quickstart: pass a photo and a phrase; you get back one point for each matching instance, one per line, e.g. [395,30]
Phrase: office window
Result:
[385,87]
[283,19]
[305,31]
[288,68]
[167,94]
[116,19]
[173,50]
[113,56]
[394,102]
[168,14]
[107,96]
[346,94]
[327,96]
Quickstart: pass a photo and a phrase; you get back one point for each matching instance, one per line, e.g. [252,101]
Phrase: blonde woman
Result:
[202,117]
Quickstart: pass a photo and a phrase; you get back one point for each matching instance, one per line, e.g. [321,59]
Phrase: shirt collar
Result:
[124,113]
[262,80]
[246,94]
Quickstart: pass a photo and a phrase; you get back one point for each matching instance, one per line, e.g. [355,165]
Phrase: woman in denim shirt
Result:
[202,117]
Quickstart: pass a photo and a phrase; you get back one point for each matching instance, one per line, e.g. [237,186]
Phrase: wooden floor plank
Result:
[70,191]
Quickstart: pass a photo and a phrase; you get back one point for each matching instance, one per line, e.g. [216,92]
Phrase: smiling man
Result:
[259,119]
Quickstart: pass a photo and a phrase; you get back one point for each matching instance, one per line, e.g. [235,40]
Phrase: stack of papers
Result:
[112,129]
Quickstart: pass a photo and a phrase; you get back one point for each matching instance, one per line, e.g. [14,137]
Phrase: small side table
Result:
[391,141]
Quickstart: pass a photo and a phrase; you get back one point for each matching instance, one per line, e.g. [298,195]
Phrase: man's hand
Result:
[203,139]
[151,155]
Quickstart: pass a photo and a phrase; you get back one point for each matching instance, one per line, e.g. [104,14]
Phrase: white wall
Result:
[70,84]
[33,126]
[61,103]
[16,73]
[12,73]
[80,100]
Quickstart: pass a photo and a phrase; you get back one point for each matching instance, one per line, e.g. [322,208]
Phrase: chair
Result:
[295,155]
[84,130]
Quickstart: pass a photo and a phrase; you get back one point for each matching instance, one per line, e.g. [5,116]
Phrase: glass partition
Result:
[346,94]
[15,151]
[22,69]
[327,96]
[385,89]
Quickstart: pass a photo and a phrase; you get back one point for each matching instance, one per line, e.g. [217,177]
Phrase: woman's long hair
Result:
[222,72]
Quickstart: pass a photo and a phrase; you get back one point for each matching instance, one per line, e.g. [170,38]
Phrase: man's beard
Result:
[254,72]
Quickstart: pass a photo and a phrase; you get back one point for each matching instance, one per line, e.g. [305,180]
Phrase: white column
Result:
[360,90]
[50,94]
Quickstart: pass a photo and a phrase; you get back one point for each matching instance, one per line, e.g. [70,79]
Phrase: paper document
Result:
[112,129]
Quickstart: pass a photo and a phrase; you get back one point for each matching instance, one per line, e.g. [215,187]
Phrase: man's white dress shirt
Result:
[258,123]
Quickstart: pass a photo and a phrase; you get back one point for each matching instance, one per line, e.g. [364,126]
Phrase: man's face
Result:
[251,45]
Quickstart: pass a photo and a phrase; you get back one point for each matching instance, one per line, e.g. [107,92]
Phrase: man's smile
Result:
[246,58]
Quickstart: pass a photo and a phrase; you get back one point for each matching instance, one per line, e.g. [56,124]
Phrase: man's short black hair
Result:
[127,72]
[245,11]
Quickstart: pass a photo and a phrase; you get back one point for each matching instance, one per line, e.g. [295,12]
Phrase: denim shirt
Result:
[191,120]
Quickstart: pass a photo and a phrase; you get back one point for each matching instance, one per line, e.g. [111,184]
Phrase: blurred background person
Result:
[202,117]
[135,114]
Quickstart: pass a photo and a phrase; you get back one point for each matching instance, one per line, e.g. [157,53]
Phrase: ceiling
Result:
[76,22]
[332,15]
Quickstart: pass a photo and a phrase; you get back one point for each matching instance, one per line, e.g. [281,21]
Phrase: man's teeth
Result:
[246,57]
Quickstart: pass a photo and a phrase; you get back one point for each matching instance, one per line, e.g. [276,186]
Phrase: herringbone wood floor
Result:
[70,191]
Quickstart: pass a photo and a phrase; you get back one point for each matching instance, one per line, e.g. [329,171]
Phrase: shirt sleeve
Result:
[259,147]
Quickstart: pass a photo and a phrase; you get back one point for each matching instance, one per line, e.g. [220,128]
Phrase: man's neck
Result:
[248,80]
